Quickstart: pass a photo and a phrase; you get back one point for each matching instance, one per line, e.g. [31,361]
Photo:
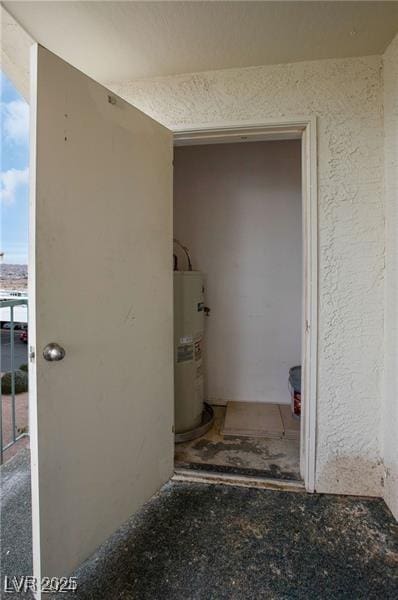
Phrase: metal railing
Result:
[15,435]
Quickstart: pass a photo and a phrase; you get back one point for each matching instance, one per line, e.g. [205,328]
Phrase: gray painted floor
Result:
[201,542]
[15,520]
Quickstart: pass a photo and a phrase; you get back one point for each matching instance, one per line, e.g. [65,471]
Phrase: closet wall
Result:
[238,208]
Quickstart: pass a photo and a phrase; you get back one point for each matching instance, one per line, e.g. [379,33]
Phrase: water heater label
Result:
[184,353]
[187,339]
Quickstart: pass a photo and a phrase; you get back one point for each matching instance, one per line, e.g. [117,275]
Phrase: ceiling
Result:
[117,41]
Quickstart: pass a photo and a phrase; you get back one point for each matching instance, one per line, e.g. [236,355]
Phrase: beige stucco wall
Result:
[15,52]
[390,412]
[346,97]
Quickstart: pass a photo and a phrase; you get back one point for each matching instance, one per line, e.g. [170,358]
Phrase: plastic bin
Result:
[295,390]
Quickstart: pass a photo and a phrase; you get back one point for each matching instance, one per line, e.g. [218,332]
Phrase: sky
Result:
[14,162]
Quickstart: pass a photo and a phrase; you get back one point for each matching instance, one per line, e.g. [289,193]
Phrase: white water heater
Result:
[188,349]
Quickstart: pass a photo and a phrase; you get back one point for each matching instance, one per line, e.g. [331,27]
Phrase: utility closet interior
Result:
[238,286]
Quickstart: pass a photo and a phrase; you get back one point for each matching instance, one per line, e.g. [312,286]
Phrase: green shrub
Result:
[24,368]
[21,382]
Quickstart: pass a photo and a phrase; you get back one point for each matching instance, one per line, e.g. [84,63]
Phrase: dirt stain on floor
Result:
[261,456]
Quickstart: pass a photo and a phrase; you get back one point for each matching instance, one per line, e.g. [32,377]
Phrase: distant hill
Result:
[13,277]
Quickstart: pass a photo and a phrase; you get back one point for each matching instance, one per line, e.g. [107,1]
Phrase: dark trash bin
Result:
[295,390]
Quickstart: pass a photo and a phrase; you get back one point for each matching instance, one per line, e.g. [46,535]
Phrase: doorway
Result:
[244,213]
[109,158]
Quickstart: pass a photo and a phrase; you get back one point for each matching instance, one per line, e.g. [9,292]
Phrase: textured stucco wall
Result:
[15,52]
[346,97]
[390,413]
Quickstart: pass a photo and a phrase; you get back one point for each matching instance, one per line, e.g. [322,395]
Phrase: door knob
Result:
[53,351]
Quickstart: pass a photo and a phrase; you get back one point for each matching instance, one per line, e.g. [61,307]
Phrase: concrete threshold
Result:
[187,475]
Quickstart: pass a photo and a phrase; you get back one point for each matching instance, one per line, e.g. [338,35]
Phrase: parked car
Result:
[16,326]
[23,336]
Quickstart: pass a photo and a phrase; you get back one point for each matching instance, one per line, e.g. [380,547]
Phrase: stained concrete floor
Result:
[15,519]
[271,458]
[202,542]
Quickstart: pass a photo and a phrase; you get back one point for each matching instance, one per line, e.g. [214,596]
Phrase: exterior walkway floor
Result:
[201,542]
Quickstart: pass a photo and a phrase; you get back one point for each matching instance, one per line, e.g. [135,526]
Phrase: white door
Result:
[100,288]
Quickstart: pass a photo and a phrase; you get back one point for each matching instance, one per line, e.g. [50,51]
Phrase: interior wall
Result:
[345,95]
[390,420]
[238,208]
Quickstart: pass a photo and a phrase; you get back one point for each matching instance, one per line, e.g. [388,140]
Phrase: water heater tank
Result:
[188,349]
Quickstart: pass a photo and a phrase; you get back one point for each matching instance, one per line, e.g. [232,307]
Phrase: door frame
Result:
[287,129]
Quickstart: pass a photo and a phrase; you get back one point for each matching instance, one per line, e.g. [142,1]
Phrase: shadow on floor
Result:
[201,542]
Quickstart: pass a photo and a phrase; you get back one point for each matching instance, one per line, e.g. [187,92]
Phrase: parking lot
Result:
[20,351]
